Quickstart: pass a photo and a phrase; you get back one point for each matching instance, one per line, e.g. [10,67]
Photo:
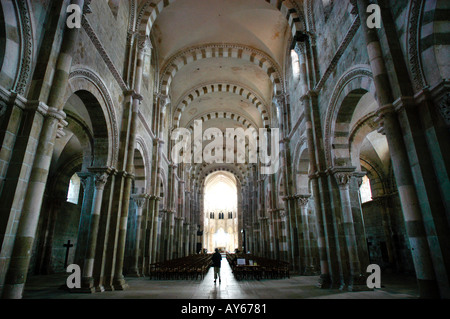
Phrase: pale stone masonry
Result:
[101,102]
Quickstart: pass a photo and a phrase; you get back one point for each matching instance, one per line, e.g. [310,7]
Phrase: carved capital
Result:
[281,99]
[84,177]
[163,100]
[140,199]
[359,176]
[100,180]
[342,175]
[303,200]
[144,44]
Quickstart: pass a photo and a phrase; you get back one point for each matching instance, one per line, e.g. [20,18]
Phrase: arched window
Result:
[74,189]
[365,190]
[295,64]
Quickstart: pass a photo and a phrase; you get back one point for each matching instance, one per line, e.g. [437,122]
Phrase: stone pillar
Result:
[356,281]
[428,287]
[140,201]
[20,258]
[157,235]
[178,221]
[55,204]
[325,280]
[358,220]
[295,254]
[148,237]
[265,234]
[112,233]
[152,225]
[383,204]
[129,147]
[104,230]
[87,282]
[308,101]
[87,180]
[309,266]
[188,223]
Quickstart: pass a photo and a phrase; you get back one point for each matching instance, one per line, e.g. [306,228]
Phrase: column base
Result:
[324,282]
[87,286]
[310,271]
[356,288]
[108,288]
[120,284]
[83,290]
[358,283]
[134,273]
[100,288]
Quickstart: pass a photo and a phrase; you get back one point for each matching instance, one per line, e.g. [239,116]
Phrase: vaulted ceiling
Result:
[220,56]
[220,61]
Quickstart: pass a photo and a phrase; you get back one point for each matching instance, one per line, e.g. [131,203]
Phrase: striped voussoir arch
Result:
[221,50]
[347,93]
[222,87]
[206,169]
[149,11]
[289,11]
[224,115]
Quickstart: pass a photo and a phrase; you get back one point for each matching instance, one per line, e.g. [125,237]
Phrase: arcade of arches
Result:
[87,114]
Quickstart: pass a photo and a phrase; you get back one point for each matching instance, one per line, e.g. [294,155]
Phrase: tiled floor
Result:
[47,287]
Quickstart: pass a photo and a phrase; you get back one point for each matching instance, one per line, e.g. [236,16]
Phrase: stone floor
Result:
[297,287]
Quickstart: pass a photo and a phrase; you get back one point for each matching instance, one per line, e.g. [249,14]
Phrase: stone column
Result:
[295,253]
[140,201]
[309,266]
[20,258]
[112,233]
[358,220]
[104,229]
[178,225]
[87,180]
[357,280]
[148,237]
[188,222]
[87,282]
[264,222]
[428,287]
[309,101]
[136,98]
[157,235]
[325,280]
[49,230]
[153,225]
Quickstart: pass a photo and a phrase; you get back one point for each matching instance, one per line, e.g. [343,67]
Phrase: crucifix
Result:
[68,245]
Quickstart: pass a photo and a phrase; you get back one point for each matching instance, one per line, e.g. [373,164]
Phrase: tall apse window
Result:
[365,190]
[74,189]
[295,64]
[220,196]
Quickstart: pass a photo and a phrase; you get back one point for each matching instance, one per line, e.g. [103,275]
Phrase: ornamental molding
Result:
[101,50]
[414,58]
[26,35]
[339,53]
[93,78]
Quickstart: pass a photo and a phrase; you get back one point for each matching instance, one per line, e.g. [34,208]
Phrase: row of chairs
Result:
[262,268]
[190,267]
